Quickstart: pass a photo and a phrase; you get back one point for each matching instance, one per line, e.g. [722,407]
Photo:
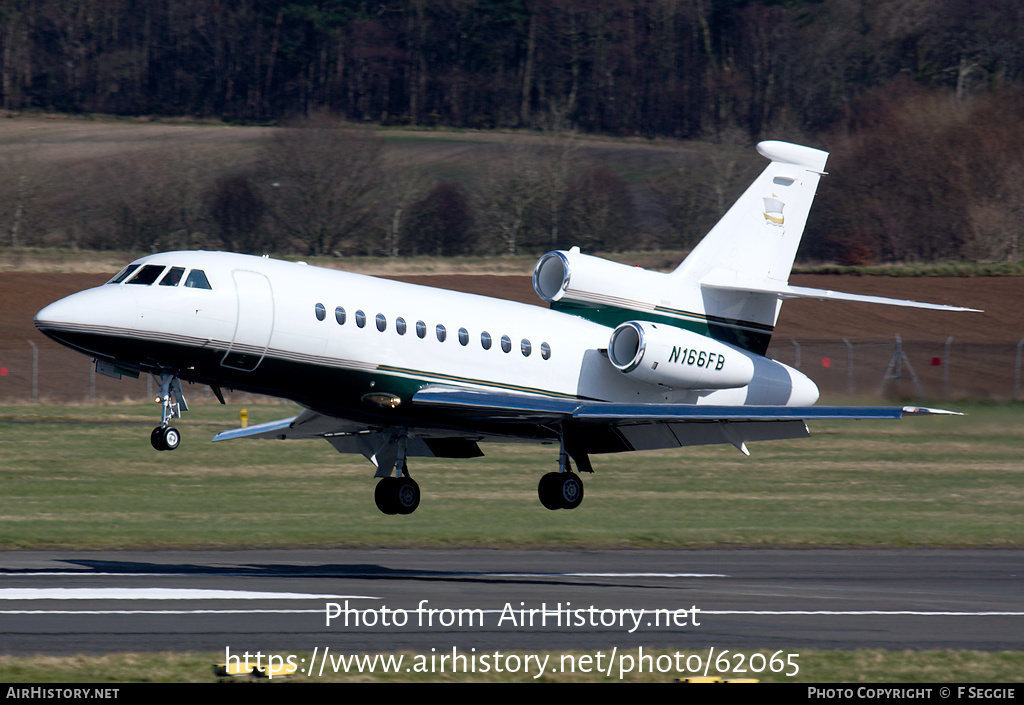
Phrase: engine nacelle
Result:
[676,358]
[571,276]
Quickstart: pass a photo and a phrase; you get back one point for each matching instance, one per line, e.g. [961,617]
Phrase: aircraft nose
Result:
[67,311]
[87,309]
[57,313]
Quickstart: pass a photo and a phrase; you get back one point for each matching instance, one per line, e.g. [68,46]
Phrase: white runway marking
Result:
[161,594]
[396,574]
[860,613]
[603,575]
[164,594]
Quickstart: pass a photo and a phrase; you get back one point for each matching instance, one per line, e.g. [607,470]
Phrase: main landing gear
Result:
[165,436]
[560,490]
[399,494]
[564,489]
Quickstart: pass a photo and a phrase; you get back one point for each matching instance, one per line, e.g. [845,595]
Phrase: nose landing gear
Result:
[172,401]
[165,438]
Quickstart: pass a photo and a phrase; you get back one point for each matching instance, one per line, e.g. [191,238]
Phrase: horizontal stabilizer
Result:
[785,291]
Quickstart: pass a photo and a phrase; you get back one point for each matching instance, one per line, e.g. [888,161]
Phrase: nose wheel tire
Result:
[397,495]
[165,438]
[560,490]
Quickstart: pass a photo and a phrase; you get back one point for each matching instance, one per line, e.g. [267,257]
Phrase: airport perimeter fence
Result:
[886,368]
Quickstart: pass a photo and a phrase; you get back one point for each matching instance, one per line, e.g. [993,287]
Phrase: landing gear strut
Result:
[172,401]
[399,494]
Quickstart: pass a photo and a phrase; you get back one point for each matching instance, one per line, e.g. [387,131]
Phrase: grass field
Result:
[86,477]
[858,666]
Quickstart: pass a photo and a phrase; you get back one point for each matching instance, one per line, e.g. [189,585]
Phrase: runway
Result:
[476,600]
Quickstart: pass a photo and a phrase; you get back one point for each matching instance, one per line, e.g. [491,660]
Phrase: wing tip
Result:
[927,411]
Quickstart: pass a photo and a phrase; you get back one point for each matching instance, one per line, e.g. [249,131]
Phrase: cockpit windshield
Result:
[172,277]
[148,274]
[123,274]
[197,280]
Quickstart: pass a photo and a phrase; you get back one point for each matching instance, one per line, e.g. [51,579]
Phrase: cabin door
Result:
[255,322]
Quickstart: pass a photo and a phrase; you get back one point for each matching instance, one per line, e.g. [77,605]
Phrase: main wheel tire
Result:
[385,496]
[407,495]
[549,489]
[570,490]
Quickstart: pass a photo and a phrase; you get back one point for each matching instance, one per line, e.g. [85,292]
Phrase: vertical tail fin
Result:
[757,239]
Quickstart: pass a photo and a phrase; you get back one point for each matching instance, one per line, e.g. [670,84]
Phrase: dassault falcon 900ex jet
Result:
[624,359]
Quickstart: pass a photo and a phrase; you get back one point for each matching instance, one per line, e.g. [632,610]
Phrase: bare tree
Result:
[511,190]
[323,177]
[237,208]
[405,184]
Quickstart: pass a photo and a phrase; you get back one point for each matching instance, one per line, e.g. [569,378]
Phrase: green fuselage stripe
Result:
[744,334]
[425,376]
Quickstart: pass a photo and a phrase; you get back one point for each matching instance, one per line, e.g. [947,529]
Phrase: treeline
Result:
[923,176]
[321,186]
[918,101]
[914,175]
[679,68]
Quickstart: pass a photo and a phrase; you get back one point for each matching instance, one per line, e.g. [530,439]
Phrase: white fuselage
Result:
[261,317]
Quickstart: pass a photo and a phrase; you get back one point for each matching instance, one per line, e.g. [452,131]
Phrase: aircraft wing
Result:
[604,427]
[597,426]
[503,405]
[308,424]
[347,437]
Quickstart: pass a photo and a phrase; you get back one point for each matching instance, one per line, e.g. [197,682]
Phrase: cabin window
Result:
[485,340]
[123,274]
[400,325]
[360,319]
[506,343]
[525,347]
[172,277]
[463,337]
[421,329]
[339,315]
[545,351]
[382,322]
[147,275]
[321,312]
[197,280]
[442,334]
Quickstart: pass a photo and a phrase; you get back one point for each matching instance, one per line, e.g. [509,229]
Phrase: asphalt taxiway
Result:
[385,600]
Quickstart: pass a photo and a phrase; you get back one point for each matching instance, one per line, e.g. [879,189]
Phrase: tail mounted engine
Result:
[677,358]
[569,276]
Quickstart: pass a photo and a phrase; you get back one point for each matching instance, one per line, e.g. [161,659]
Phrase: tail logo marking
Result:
[773,210]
